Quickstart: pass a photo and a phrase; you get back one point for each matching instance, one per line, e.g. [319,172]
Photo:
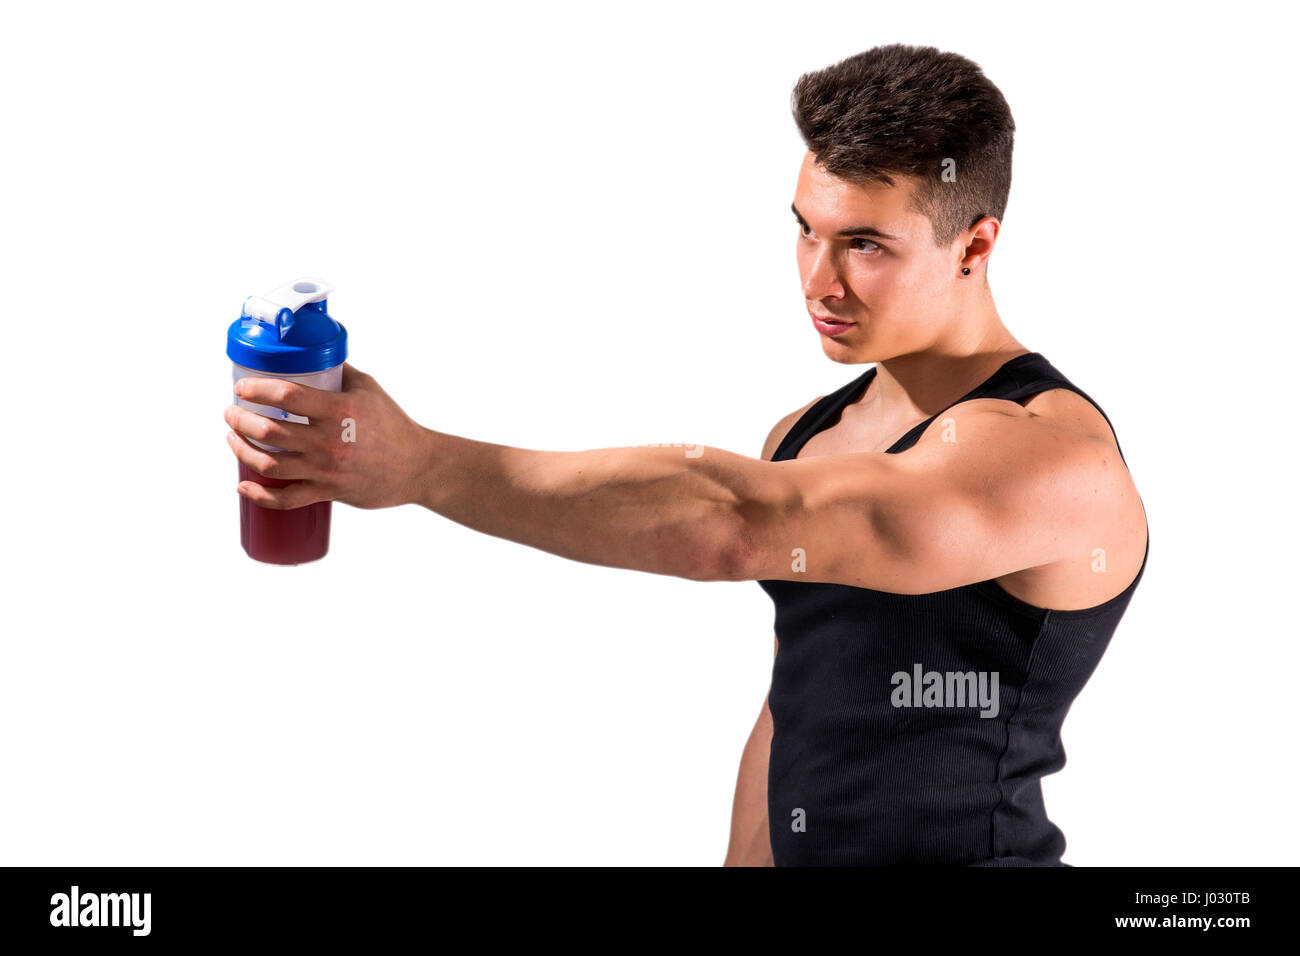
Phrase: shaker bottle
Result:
[286,334]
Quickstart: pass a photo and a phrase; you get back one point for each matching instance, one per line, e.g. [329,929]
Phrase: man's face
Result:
[866,258]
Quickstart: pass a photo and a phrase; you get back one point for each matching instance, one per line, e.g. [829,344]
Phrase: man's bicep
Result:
[1006,494]
[995,494]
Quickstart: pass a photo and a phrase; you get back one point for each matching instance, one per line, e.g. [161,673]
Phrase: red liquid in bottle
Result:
[282,537]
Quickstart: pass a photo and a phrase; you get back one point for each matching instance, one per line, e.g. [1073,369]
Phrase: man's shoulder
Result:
[1065,461]
[1058,409]
[1070,410]
[1052,431]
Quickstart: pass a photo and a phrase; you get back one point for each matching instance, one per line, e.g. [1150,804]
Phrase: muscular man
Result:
[949,539]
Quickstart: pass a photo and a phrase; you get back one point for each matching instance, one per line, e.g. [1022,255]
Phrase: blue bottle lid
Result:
[288,331]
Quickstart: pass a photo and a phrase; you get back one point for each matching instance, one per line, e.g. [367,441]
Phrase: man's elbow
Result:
[726,552]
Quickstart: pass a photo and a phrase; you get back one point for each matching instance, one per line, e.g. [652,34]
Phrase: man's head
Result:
[903,186]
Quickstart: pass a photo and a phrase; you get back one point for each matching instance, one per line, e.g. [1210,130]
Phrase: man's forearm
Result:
[655,509]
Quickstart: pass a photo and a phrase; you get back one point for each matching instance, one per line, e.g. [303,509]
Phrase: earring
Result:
[965,272]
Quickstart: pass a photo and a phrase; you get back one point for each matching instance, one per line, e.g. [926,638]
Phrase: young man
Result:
[949,539]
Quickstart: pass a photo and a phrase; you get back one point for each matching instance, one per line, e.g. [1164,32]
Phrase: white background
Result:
[564,227]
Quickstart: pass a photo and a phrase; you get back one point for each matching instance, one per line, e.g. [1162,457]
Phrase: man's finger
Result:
[293,436]
[294,398]
[285,466]
[297,495]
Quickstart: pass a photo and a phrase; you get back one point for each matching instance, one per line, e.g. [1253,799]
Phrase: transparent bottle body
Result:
[276,536]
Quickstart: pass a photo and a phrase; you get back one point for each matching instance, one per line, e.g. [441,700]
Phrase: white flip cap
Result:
[291,296]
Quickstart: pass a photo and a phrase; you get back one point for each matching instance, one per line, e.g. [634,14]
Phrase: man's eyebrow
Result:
[847,233]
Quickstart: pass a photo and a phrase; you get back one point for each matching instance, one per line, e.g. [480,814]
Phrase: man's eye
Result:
[802,229]
[874,246]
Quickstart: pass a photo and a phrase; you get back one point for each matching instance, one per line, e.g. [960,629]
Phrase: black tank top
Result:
[855,777]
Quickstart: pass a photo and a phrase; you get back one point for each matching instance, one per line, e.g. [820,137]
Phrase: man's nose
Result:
[820,280]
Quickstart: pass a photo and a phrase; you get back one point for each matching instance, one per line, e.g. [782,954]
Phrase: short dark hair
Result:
[904,110]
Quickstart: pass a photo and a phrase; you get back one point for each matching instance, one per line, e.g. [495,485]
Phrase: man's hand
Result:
[360,448]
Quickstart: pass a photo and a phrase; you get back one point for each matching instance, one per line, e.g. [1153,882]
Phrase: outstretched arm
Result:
[1012,491]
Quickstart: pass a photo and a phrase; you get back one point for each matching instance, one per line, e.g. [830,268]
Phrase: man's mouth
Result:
[829,325]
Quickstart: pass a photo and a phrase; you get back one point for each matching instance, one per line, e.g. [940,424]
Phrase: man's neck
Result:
[922,384]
